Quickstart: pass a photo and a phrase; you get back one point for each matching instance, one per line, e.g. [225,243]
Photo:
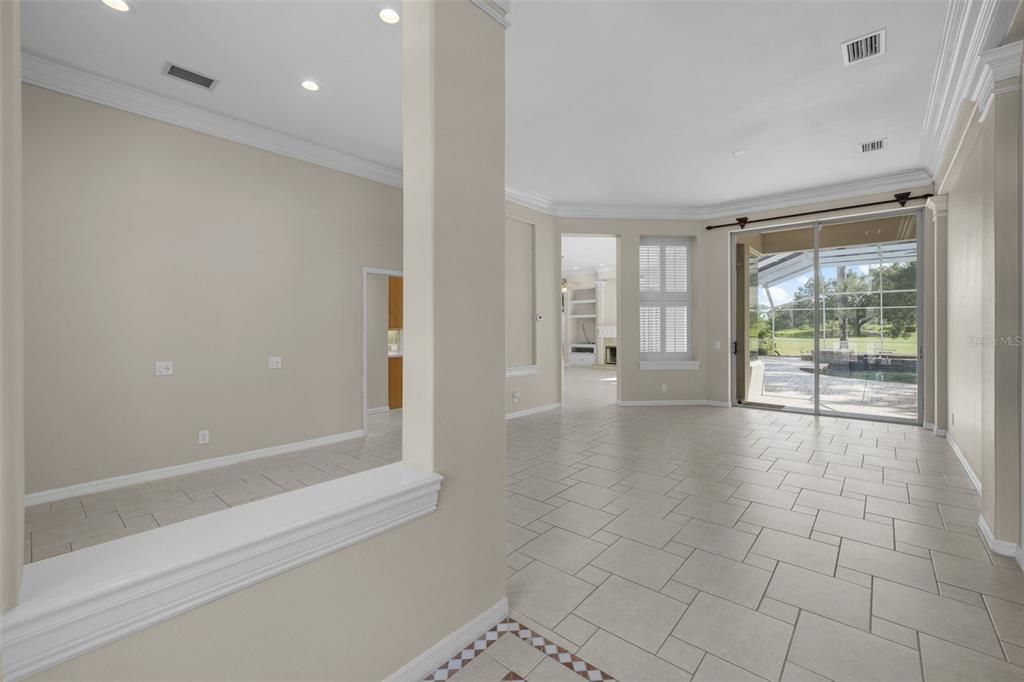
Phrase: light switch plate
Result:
[204,437]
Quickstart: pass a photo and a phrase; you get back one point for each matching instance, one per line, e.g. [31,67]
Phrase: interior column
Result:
[453,418]
[937,345]
[12,417]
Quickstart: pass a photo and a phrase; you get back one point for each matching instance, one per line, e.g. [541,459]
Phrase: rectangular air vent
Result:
[192,77]
[865,47]
[873,146]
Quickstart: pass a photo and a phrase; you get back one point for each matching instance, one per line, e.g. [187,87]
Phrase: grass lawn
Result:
[864,344]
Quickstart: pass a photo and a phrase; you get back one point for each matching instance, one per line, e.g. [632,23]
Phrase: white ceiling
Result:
[580,254]
[629,103]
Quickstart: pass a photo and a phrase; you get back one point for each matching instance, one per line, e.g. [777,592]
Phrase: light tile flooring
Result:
[701,543]
[684,543]
[59,527]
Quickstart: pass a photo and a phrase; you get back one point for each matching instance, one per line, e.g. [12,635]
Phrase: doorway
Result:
[826,318]
[589,320]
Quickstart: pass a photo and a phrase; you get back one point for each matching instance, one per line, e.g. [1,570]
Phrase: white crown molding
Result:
[76,602]
[529,199]
[997,65]
[71,80]
[893,182]
[971,27]
[939,206]
[103,484]
[433,658]
[495,9]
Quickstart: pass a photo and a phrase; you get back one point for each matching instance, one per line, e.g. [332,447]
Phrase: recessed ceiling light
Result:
[310,85]
[600,265]
[575,267]
[739,152]
[389,16]
[118,5]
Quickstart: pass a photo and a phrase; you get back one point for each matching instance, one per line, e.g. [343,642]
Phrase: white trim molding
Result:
[433,658]
[997,65]
[894,182]
[666,403]
[378,410]
[533,410]
[76,602]
[523,371]
[973,477]
[1000,547]
[495,9]
[648,365]
[971,28]
[50,73]
[103,484]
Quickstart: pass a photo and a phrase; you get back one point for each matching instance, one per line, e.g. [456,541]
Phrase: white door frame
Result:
[366,272]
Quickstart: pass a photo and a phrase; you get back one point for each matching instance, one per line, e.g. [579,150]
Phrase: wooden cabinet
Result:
[394,302]
[395,383]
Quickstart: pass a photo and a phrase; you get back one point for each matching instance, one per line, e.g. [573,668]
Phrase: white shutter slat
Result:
[650,329]
[677,329]
[650,268]
[677,269]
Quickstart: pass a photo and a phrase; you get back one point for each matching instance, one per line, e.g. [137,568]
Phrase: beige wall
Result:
[376,341]
[981,177]
[545,387]
[148,242]
[12,442]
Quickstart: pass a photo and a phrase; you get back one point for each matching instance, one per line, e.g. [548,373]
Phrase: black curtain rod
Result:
[902,198]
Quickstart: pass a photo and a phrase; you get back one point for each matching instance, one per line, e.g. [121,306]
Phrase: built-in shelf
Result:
[591,315]
[588,300]
[582,345]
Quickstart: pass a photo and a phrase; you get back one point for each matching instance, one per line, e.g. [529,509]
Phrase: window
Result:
[665,298]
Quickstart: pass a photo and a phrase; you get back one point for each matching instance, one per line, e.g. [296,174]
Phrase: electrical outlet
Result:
[204,437]
[164,368]
[718,345]
[664,388]
[274,362]
[515,396]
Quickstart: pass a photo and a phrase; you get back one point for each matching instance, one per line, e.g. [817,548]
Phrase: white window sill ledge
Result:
[646,365]
[76,602]
[524,371]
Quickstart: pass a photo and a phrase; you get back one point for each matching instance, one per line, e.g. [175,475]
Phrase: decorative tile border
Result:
[546,647]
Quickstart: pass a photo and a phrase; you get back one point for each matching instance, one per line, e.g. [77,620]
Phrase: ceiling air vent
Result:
[865,47]
[873,146]
[192,77]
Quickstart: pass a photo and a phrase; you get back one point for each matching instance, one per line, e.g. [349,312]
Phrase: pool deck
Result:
[790,382]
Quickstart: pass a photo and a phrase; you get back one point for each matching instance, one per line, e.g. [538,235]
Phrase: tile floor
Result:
[678,543]
[699,543]
[64,526]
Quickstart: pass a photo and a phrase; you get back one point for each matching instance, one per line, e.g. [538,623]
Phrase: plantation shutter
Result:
[665,298]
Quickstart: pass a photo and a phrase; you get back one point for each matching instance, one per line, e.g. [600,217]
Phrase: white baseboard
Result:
[378,410]
[928,426]
[941,433]
[437,655]
[1020,557]
[533,410]
[975,481]
[651,403]
[1001,547]
[104,484]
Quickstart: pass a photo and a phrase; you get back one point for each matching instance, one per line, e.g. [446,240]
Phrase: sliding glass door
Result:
[830,321]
